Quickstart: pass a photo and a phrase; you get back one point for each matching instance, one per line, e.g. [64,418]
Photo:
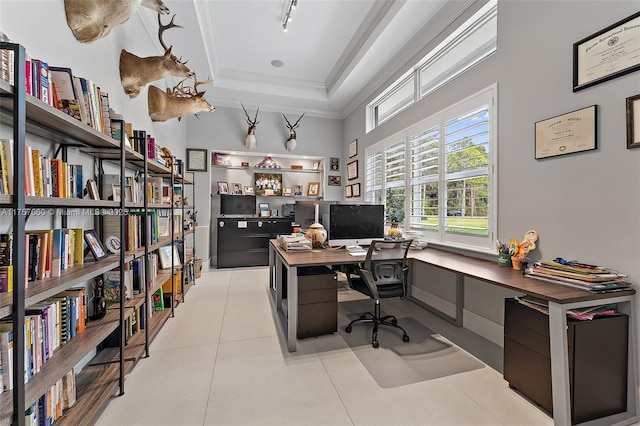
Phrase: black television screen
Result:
[238,204]
[355,224]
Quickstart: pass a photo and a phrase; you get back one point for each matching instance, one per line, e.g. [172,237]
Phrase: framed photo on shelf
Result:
[297,190]
[334,164]
[163,226]
[633,122]
[567,133]
[316,165]
[264,209]
[128,193]
[248,190]
[607,54]
[112,244]
[95,245]
[352,170]
[237,189]
[197,160]
[165,253]
[355,189]
[115,192]
[221,159]
[286,191]
[348,191]
[223,188]
[313,190]
[353,148]
[334,180]
[268,183]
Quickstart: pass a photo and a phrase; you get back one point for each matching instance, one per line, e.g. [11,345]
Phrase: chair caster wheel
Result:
[405,338]
[394,321]
[348,329]
[375,344]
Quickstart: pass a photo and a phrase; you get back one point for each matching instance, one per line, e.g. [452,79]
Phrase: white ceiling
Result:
[334,52]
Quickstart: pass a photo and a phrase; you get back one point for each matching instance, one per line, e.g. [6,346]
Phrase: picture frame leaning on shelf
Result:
[94,244]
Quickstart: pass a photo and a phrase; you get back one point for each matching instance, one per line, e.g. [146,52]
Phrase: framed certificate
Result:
[567,133]
[353,148]
[607,54]
[196,160]
[633,122]
[352,170]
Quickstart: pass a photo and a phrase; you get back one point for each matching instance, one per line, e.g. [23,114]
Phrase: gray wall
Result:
[584,206]
[225,131]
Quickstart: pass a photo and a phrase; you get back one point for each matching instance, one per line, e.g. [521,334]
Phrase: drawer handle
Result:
[259,224]
[221,224]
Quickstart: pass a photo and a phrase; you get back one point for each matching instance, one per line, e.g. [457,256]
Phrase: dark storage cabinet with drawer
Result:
[317,301]
[597,360]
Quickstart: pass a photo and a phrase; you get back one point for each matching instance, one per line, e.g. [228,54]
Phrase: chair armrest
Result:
[367,277]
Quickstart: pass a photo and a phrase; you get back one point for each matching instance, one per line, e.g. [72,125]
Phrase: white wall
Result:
[584,206]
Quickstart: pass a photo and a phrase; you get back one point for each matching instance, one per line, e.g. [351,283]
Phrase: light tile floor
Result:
[222,361]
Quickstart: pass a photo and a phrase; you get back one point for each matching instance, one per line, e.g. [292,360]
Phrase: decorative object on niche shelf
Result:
[113,244]
[166,253]
[355,189]
[264,209]
[250,140]
[92,20]
[567,133]
[177,102]
[268,183]
[353,148]
[607,54]
[94,244]
[292,143]
[197,159]
[268,163]
[245,164]
[316,165]
[296,167]
[167,155]
[335,180]
[99,304]
[223,188]
[286,191]
[220,159]
[137,72]
[297,190]
[348,191]
[334,164]
[314,189]
[352,170]
[248,190]
[237,189]
[633,122]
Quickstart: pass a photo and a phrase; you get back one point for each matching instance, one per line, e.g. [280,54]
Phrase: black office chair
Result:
[383,274]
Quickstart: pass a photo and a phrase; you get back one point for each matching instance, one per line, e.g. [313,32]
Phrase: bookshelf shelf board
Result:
[113,154]
[57,126]
[6,199]
[267,169]
[63,360]
[136,301]
[69,202]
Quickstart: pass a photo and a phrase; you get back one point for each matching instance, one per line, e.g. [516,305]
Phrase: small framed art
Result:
[128,193]
[334,164]
[355,189]
[94,244]
[221,159]
[223,188]
[352,170]
[348,191]
[568,133]
[286,191]
[115,192]
[196,160]
[264,209]
[633,122]
[334,180]
[237,189]
[165,253]
[297,190]
[314,189]
[353,148]
[316,165]
[248,190]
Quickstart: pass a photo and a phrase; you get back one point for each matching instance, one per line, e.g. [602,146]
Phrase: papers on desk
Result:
[587,313]
[595,281]
[294,243]
[358,253]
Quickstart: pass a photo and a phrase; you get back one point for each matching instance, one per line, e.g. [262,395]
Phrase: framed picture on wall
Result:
[334,180]
[355,189]
[197,160]
[567,133]
[633,122]
[352,170]
[334,164]
[353,148]
[348,191]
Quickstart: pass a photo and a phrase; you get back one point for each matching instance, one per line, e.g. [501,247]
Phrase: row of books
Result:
[50,406]
[133,279]
[48,325]
[140,225]
[51,177]
[592,278]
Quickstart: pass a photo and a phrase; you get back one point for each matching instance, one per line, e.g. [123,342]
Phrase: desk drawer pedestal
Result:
[597,360]
[317,301]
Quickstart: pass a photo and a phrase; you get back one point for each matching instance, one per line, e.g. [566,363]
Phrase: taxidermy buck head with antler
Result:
[177,102]
[250,140]
[136,72]
[90,20]
[291,143]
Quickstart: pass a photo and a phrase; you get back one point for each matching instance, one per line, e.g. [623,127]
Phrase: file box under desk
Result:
[597,360]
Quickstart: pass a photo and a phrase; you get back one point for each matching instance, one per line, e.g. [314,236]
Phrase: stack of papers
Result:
[596,280]
[587,313]
[419,244]
[294,243]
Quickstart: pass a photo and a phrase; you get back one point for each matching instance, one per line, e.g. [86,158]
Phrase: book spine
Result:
[37,172]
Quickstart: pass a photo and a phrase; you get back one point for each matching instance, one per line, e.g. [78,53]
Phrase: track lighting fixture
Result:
[287,16]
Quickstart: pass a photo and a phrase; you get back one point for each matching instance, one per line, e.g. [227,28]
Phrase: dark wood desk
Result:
[560,298]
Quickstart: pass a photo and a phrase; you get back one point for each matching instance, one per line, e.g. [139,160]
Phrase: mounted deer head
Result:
[177,102]
[90,20]
[291,143]
[136,72]
[250,140]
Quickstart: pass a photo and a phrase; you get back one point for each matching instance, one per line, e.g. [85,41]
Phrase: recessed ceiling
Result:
[331,51]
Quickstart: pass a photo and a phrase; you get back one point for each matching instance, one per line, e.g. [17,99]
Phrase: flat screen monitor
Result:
[355,224]
[305,212]
[238,205]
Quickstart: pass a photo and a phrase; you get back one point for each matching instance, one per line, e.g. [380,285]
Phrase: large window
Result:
[469,44]
[438,176]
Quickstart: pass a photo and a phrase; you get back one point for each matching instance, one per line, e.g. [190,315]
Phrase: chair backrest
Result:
[389,264]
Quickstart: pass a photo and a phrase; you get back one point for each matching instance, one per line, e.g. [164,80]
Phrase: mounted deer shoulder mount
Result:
[177,102]
[90,20]
[291,143]
[250,141]
[136,72]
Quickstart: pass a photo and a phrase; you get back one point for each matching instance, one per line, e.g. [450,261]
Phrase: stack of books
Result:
[294,243]
[592,278]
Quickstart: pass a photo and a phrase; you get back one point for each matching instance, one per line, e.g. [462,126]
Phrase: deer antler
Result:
[295,126]
[197,83]
[163,28]
[253,123]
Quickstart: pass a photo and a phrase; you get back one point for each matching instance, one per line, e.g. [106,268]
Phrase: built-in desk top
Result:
[479,269]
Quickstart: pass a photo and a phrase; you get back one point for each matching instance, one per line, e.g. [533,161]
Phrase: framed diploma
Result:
[567,133]
[197,160]
[607,54]
[633,122]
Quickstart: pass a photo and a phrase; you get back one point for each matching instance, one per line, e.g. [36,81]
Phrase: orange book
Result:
[37,172]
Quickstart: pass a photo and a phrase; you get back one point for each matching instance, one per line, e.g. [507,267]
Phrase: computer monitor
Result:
[238,205]
[355,224]
[306,210]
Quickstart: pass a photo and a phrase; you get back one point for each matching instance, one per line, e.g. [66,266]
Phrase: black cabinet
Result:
[245,241]
[597,360]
